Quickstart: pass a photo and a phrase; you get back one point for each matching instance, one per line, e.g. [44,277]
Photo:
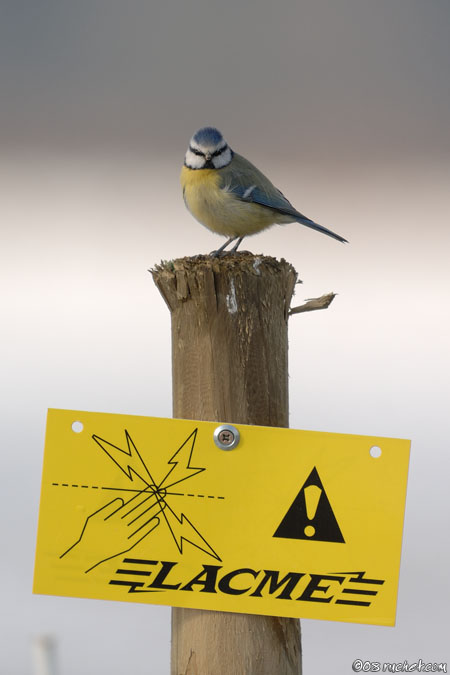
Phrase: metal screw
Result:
[226,437]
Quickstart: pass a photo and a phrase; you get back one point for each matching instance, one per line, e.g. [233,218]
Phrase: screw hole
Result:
[77,427]
[375,451]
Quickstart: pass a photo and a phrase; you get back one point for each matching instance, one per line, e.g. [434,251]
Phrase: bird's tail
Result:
[319,228]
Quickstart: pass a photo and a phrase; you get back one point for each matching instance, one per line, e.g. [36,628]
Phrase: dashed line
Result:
[190,494]
[98,487]
[75,485]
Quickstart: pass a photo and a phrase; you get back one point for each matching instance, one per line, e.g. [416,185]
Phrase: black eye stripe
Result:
[196,152]
[219,151]
[202,154]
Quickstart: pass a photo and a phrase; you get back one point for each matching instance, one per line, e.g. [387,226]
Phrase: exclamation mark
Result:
[312,496]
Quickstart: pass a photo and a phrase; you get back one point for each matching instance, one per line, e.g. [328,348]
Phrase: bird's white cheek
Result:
[194,161]
[223,159]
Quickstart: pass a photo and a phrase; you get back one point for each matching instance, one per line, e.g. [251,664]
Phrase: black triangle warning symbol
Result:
[310,516]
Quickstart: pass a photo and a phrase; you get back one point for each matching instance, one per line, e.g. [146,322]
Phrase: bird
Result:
[227,194]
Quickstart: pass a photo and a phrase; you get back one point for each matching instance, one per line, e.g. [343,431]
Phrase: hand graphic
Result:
[117,527]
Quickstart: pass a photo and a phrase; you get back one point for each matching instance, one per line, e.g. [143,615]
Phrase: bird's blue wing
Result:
[248,183]
[273,200]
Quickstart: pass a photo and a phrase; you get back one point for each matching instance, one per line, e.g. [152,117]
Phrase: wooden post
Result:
[229,360]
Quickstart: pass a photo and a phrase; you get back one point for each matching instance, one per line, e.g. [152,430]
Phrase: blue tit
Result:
[229,195]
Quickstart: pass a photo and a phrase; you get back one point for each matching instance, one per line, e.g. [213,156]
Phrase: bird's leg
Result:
[236,245]
[216,254]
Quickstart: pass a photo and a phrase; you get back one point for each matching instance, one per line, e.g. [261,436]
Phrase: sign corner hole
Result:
[375,451]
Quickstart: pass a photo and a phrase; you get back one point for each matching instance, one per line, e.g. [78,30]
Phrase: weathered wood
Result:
[223,643]
[229,364]
[314,303]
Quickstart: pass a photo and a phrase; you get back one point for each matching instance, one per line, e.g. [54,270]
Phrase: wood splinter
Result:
[314,303]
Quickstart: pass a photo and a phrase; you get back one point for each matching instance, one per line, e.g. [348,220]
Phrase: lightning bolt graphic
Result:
[181,464]
[129,461]
[133,466]
[182,530]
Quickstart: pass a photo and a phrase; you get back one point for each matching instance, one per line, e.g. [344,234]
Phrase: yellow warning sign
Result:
[259,520]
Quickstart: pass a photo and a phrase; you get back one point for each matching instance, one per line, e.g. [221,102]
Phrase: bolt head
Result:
[226,437]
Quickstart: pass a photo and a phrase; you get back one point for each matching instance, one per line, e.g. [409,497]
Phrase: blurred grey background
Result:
[345,105]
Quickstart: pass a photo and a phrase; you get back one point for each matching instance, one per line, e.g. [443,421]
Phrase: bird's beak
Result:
[208,157]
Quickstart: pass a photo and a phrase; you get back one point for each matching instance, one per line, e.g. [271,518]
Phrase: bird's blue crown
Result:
[208,136]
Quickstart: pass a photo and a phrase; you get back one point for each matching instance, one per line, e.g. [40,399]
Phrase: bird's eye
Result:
[196,152]
[219,151]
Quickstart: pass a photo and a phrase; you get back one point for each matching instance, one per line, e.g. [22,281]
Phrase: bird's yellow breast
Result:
[218,209]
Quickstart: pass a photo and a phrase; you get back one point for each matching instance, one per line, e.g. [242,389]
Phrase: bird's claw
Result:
[218,253]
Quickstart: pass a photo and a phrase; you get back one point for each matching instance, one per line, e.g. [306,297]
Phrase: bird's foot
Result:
[222,254]
[221,251]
